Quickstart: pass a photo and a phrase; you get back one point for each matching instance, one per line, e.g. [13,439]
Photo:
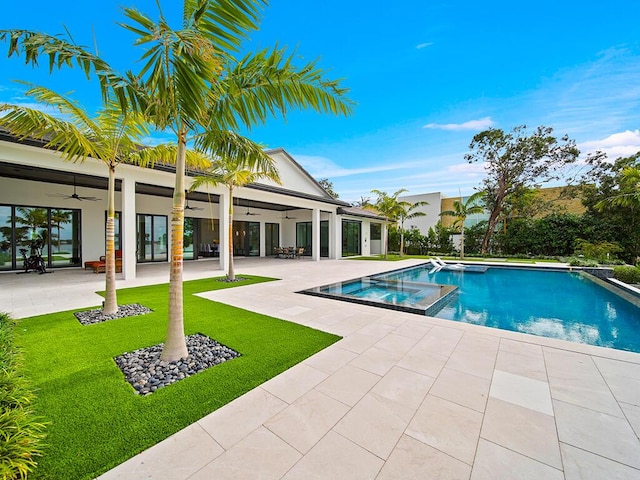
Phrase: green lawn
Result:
[97,421]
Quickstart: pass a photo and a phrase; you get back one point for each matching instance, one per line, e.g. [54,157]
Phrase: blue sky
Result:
[426,76]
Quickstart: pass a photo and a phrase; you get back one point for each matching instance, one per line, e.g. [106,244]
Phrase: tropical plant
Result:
[386,205]
[627,274]
[22,431]
[191,85]
[461,210]
[234,172]
[111,137]
[407,211]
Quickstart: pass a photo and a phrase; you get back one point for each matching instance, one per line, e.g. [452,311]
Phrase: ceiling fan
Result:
[75,195]
[189,207]
[250,212]
[287,217]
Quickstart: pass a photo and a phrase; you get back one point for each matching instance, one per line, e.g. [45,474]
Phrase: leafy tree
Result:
[191,85]
[112,138]
[515,160]
[461,210]
[328,186]
[443,238]
[235,172]
[610,194]
[364,202]
[407,211]
[388,206]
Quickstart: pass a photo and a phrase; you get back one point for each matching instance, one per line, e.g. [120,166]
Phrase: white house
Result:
[64,204]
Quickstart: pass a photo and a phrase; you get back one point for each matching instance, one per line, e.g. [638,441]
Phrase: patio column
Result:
[337,239]
[128,236]
[223,215]
[315,234]
[263,239]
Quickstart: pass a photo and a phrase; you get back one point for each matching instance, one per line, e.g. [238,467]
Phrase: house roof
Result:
[360,212]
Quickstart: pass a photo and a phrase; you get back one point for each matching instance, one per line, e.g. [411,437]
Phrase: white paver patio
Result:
[399,397]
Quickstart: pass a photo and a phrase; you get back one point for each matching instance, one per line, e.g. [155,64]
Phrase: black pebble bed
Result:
[91,317]
[144,370]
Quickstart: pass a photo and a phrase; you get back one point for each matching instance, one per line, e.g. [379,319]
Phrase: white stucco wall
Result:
[432,211]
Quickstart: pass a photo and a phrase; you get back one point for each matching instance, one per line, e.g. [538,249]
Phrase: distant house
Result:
[37,200]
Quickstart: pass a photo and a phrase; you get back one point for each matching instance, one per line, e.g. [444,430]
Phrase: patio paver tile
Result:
[336,458]
[229,424]
[260,455]
[307,420]
[496,462]
[523,391]
[461,388]
[375,423]
[422,360]
[403,386]
[582,465]
[398,344]
[623,379]
[606,435]
[295,382]
[349,384]
[330,359]
[521,348]
[524,365]
[522,430]
[451,428]
[376,360]
[414,460]
[358,342]
[175,458]
[632,412]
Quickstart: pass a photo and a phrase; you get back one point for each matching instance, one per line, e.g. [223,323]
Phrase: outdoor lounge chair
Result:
[99,266]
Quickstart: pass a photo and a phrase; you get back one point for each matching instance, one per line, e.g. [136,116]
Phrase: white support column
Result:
[223,214]
[335,235]
[263,239]
[128,235]
[315,234]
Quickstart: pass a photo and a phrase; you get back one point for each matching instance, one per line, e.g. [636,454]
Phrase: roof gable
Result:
[293,177]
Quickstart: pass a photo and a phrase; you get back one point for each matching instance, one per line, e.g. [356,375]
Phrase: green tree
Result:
[387,205]
[191,84]
[515,160]
[328,187]
[407,211]
[461,210]
[610,194]
[234,172]
[111,137]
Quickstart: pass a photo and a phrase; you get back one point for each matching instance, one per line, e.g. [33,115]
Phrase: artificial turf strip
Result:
[97,422]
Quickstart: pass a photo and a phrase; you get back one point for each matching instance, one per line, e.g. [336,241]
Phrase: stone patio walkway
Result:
[405,397]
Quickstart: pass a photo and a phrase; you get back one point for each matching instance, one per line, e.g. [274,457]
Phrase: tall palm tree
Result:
[387,205]
[190,83]
[233,172]
[407,211]
[111,137]
[461,210]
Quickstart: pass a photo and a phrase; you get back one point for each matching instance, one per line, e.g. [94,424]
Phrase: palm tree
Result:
[234,172]
[461,211]
[407,211]
[388,206]
[629,190]
[112,137]
[191,84]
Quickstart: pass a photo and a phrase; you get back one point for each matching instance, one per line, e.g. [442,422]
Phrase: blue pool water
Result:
[557,304]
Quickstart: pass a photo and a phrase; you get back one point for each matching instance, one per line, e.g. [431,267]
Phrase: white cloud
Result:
[424,45]
[617,145]
[478,125]
[321,167]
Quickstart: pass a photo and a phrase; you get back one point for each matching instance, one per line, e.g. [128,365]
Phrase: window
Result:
[152,238]
[376,231]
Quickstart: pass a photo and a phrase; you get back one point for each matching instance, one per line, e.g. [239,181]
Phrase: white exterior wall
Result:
[432,211]
[35,193]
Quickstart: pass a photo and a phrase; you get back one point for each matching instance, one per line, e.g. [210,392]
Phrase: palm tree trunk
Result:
[111,301]
[175,346]
[462,241]
[401,241]
[231,274]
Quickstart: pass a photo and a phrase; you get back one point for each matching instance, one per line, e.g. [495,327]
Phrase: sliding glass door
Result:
[351,236]
[152,238]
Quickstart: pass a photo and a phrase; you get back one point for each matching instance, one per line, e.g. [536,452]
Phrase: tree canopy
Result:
[515,161]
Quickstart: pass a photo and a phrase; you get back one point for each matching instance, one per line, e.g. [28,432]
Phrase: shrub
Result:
[627,274]
[21,431]
[581,262]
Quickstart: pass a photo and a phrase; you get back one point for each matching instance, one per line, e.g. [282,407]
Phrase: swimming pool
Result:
[558,304]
